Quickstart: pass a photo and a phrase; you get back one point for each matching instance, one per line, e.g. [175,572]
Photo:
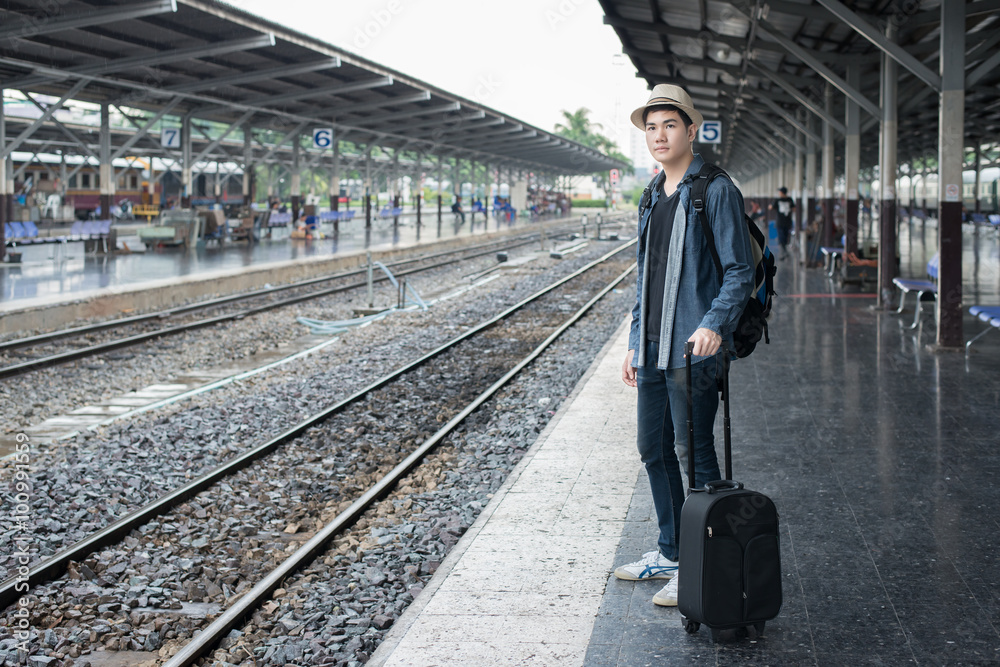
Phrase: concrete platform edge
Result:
[409,617]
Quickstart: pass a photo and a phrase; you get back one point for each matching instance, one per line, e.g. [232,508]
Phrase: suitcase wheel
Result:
[691,626]
[759,628]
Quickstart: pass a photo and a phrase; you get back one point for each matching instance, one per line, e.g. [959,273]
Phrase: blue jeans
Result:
[663,435]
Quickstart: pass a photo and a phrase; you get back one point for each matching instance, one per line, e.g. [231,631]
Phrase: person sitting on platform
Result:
[456,208]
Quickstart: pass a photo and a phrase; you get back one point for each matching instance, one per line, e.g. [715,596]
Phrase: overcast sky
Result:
[526,58]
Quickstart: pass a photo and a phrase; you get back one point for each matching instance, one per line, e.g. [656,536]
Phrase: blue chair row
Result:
[988,314]
[331,216]
[279,219]
[390,212]
[921,287]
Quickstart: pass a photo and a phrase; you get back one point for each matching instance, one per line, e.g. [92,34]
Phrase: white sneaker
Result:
[652,566]
[667,597]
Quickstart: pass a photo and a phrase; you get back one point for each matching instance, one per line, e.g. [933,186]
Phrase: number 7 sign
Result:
[710,132]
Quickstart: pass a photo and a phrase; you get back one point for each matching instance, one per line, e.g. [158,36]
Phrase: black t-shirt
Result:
[784,206]
[661,226]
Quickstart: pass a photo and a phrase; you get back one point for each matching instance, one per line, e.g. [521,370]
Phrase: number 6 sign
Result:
[323,137]
[710,132]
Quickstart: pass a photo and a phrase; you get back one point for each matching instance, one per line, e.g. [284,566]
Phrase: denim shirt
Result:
[692,295]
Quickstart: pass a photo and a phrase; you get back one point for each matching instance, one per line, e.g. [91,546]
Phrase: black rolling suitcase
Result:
[730,568]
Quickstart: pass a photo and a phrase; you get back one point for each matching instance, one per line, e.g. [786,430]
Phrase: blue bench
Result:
[921,287]
[832,257]
[333,216]
[279,219]
[26,233]
[988,314]
[994,219]
[932,267]
[390,212]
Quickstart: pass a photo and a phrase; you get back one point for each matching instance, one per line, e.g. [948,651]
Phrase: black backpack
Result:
[753,321]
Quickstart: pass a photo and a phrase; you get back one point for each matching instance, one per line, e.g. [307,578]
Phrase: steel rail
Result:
[208,638]
[100,348]
[30,341]
[55,566]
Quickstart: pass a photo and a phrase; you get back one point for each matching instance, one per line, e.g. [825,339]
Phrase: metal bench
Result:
[832,256]
[988,314]
[921,287]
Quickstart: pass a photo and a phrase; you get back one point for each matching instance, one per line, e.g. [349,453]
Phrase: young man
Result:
[679,299]
[784,205]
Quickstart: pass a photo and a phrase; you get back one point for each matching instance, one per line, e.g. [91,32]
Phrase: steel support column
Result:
[887,178]
[217,188]
[852,161]
[186,167]
[978,188]
[296,179]
[4,194]
[439,177]
[106,169]
[335,188]
[368,195]
[797,189]
[951,150]
[247,166]
[809,194]
[827,170]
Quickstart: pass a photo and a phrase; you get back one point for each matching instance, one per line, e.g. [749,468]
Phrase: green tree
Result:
[578,127]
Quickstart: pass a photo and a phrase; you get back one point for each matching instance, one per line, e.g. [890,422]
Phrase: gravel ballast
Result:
[156,452]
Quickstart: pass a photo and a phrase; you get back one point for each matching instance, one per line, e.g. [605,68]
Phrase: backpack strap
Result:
[699,193]
[647,194]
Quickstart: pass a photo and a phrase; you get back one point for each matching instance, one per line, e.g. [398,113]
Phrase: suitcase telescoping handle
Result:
[727,438]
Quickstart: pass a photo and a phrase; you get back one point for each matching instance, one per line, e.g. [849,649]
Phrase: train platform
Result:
[879,451]
[56,283]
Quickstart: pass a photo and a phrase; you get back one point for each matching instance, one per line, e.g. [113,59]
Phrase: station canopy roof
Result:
[212,61]
[762,66]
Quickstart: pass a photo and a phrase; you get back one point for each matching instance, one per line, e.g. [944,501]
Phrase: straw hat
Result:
[665,93]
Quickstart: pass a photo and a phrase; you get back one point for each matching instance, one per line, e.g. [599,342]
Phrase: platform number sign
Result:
[710,132]
[323,137]
[170,137]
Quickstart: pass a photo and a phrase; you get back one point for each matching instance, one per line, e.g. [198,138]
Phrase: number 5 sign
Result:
[710,132]
[323,137]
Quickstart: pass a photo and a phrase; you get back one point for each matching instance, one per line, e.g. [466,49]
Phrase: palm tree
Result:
[578,128]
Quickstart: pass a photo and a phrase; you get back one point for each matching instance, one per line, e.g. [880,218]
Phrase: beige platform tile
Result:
[478,581]
[588,528]
[542,475]
[544,629]
[457,628]
[487,603]
[545,546]
[572,603]
[493,654]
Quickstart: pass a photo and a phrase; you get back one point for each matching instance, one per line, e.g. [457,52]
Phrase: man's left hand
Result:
[706,342]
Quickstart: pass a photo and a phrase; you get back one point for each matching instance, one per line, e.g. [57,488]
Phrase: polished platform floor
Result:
[51,270]
[881,454]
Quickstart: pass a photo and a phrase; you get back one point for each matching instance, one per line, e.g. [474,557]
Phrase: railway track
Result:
[273,294]
[498,329]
